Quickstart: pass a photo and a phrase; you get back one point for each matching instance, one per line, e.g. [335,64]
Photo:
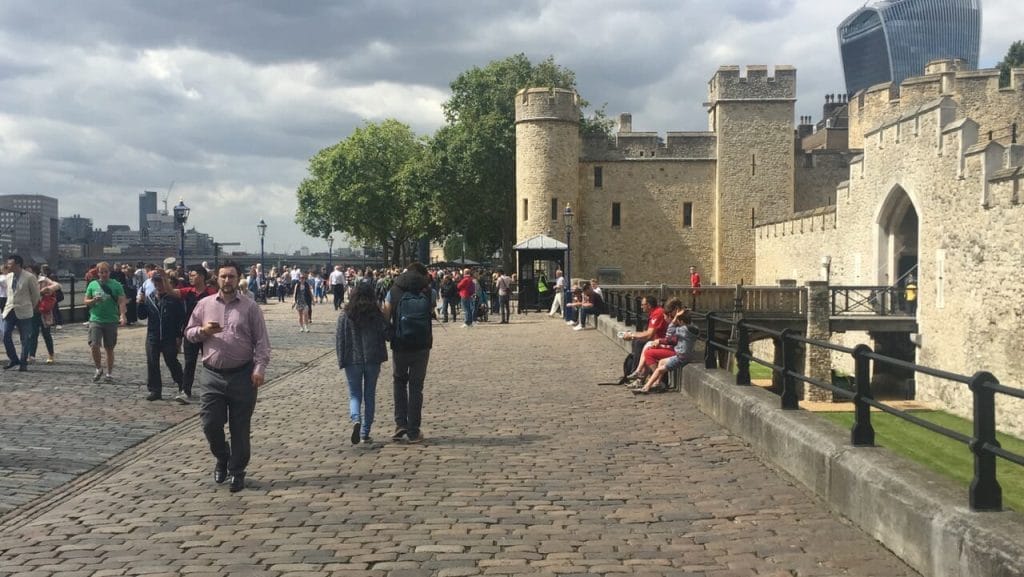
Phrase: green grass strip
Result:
[941,454]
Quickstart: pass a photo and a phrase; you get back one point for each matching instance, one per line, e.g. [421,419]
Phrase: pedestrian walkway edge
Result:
[923,518]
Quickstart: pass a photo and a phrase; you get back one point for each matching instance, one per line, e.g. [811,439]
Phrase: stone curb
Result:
[922,518]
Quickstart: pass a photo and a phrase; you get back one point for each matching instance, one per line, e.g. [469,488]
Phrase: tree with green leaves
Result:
[475,152]
[371,186]
[1014,59]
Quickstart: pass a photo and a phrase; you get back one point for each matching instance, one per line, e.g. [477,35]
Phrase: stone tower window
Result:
[526,209]
[554,209]
[598,177]
[616,214]
[688,214]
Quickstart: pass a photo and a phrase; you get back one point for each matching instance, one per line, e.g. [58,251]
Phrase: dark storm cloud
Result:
[102,99]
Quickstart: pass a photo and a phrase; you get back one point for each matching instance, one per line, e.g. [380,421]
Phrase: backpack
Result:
[412,320]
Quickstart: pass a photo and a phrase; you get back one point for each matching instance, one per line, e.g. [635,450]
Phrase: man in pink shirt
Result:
[236,351]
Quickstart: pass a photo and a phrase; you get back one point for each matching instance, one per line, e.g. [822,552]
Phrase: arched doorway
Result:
[897,229]
[897,238]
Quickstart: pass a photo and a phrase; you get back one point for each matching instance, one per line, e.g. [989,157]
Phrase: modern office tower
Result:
[29,226]
[892,40]
[147,206]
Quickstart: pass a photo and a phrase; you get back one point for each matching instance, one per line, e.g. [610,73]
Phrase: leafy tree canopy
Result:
[1014,59]
[370,186]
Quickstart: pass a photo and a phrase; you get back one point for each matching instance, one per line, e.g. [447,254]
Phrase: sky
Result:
[228,100]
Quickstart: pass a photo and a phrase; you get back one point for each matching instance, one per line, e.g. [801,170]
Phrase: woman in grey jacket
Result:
[360,345]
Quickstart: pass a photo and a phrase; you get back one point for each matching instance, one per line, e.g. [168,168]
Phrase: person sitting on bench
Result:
[658,319]
[592,305]
[682,334]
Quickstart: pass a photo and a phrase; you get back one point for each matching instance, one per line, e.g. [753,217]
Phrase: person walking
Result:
[197,290]
[166,314]
[558,302]
[337,280]
[42,320]
[467,289]
[504,285]
[361,348]
[235,359]
[303,303]
[22,299]
[408,308]
[107,311]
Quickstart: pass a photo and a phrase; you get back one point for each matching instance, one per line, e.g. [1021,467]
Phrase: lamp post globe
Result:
[181,213]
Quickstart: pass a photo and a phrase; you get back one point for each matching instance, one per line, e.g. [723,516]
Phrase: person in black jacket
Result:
[361,348]
[410,353]
[166,318]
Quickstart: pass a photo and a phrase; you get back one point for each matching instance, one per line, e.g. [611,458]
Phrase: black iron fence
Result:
[985,493]
[871,300]
[72,308]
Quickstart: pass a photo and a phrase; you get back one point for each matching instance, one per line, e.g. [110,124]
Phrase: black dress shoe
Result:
[220,473]
[11,365]
[237,482]
[153,397]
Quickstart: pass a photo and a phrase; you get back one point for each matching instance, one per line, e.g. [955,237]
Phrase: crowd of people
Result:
[212,318]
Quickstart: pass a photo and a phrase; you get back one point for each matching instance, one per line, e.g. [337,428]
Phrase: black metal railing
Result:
[869,300]
[71,307]
[985,493]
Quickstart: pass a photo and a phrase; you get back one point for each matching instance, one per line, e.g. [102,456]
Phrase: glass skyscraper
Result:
[892,40]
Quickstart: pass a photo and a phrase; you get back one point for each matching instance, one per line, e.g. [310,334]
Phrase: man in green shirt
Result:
[107,310]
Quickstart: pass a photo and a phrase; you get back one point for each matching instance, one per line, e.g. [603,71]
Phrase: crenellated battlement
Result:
[976,94]
[730,83]
[558,104]
[650,146]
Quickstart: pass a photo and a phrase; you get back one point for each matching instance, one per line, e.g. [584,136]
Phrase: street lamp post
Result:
[567,218]
[262,227]
[181,213]
[330,253]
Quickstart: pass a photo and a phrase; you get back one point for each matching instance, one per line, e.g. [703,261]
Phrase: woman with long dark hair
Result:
[360,345]
[303,303]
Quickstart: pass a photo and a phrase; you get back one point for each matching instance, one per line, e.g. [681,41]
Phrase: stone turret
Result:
[547,158]
[752,116]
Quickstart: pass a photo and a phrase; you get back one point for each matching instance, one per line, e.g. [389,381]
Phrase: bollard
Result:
[789,397]
[743,354]
[985,492]
[863,433]
[710,354]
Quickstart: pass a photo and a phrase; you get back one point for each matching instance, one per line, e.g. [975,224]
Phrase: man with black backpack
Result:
[409,306]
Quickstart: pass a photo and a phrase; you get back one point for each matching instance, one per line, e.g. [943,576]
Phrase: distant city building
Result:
[75,229]
[892,40]
[147,206]
[29,226]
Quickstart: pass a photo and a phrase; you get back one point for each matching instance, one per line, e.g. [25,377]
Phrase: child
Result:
[682,334]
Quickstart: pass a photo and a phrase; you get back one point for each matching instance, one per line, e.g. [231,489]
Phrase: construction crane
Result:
[167,194]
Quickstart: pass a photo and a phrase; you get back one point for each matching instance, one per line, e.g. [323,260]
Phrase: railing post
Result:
[985,492]
[618,306]
[862,434]
[639,323]
[662,292]
[710,354]
[743,354]
[789,397]
[71,310]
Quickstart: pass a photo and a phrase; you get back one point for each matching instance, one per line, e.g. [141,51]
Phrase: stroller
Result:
[482,308]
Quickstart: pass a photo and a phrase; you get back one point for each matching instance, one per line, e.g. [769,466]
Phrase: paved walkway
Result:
[528,469]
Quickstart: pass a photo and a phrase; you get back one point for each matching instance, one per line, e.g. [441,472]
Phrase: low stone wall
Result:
[921,517]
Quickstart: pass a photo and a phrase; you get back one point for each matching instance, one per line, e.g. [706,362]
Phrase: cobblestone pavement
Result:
[528,468]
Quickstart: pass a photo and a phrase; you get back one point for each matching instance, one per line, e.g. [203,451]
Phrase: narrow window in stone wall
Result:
[616,214]
[554,209]
[940,278]
[688,214]
[526,209]
[753,165]
[598,177]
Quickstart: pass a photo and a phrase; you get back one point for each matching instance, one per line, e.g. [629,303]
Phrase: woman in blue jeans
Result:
[360,345]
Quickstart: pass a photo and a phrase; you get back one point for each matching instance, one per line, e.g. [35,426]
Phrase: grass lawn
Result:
[943,455]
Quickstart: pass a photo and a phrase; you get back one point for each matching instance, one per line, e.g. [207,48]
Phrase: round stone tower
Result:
[547,159]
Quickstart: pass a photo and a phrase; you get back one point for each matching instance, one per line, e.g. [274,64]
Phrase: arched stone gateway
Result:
[898,230]
[898,224]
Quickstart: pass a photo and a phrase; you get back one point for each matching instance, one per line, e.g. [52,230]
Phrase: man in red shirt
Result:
[657,324]
[467,290]
[694,285]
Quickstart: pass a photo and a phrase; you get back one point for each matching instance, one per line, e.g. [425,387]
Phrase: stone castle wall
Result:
[651,244]
[815,177]
[965,191]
